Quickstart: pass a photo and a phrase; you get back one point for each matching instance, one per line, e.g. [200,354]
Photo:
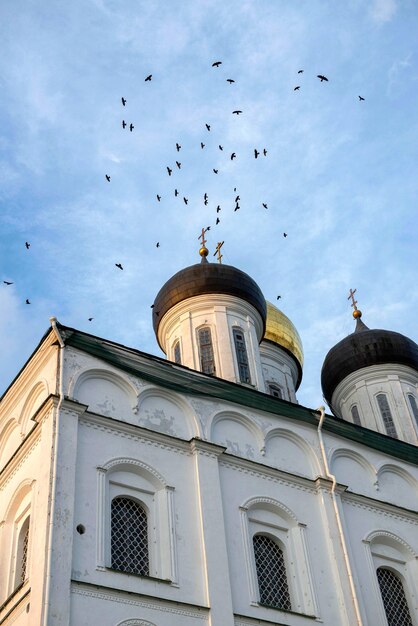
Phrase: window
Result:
[386,414]
[129,537]
[207,362]
[242,357]
[394,599]
[414,407]
[23,544]
[271,573]
[355,415]
[275,391]
[177,353]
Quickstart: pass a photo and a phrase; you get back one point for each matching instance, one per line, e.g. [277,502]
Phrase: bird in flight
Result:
[322,78]
[6,282]
[237,198]
[27,301]
[108,178]
[158,198]
[215,171]
[218,208]
[300,72]
[256,153]
[220,147]
[123,124]
[27,244]
[176,193]
[148,77]
[123,101]
[296,88]
[264,152]
[205,197]
[237,206]
[236,112]
[217,221]
[202,145]
[230,80]
[119,265]
[360,98]
[131,127]
[178,165]
[157,245]
[207,126]
[217,64]
[278,297]
[185,200]
[92,318]
[233,156]
[178,146]
[169,171]
[265,205]
[284,234]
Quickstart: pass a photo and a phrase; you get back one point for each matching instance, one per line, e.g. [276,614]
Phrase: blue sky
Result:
[340,176]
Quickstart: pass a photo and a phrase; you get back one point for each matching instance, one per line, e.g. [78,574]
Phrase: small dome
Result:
[281,331]
[363,348]
[207,278]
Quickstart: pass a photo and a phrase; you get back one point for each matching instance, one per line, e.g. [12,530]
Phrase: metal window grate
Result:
[384,407]
[394,600]
[271,573]
[129,537]
[242,357]
[207,361]
[355,415]
[24,561]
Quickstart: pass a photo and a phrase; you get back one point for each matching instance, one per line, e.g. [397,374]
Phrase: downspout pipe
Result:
[321,411]
[53,472]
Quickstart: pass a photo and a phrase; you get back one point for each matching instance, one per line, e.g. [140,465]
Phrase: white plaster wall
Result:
[280,369]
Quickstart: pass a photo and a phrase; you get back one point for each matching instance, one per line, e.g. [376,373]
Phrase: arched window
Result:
[207,361]
[22,553]
[176,352]
[242,357]
[394,599]
[129,537]
[386,414]
[355,415]
[275,391]
[414,407]
[271,573]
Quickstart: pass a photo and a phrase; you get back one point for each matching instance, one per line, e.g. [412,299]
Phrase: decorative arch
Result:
[135,622]
[121,401]
[10,439]
[180,423]
[35,397]
[398,485]
[270,504]
[398,471]
[236,440]
[358,458]
[388,538]
[19,495]
[308,454]
[122,463]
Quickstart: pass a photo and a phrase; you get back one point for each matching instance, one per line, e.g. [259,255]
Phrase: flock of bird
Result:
[257,153]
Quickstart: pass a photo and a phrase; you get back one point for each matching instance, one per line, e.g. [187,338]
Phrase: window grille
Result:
[393,596]
[25,544]
[355,415]
[414,407]
[177,353]
[275,391]
[129,537]
[271,573]
[386,414]
[242,357]
[207,361]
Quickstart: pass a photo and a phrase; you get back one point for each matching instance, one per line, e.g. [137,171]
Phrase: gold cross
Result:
[351,295]
[202,237]
[218,251]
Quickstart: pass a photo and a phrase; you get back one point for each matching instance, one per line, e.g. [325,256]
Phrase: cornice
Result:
[148,602]
[382,508]
[206,448]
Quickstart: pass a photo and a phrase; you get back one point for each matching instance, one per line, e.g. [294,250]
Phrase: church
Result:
[193,491]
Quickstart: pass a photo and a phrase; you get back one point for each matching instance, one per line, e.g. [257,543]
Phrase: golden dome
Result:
[280,330]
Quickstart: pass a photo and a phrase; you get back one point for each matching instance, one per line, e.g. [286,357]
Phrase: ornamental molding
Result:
[135,433]
[252,502]
[14,465]
[129,461]
[267,473]
[382,508]
[165,605]
[135,622]
[206,448]
[376,534]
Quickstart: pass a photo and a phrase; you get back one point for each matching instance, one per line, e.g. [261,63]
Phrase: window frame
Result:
[413,411]
[402,582]
[355,418]
[243,350]
[199,346]
[284,557]
[384,395]
[177,346]
[275,387]
[142,506]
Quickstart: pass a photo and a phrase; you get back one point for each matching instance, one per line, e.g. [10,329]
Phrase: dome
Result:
[207,278]
[281,331]
[364,348]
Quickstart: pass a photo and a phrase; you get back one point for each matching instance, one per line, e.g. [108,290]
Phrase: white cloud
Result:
[383,11]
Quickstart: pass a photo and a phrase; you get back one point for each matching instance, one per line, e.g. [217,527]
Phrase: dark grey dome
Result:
[365,347]
[205,278]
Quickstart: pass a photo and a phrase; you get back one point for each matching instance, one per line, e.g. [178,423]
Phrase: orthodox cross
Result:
[351,295]
[218,251]
[202,237]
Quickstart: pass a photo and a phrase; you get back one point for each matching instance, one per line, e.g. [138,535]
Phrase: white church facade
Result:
[138,491]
